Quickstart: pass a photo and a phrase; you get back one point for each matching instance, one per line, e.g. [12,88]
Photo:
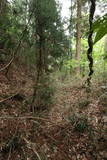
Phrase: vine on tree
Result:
[90,41]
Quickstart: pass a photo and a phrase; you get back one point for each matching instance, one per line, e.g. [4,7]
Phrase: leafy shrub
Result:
[80,123]
[83,103]
[44,94]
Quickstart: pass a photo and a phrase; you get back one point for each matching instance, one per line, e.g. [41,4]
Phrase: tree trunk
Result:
[78,36]
[105,53]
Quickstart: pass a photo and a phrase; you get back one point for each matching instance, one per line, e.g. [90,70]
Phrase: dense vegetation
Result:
[53,79]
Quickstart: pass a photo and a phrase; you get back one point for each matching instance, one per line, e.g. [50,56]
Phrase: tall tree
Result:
[78,35]
[49,33]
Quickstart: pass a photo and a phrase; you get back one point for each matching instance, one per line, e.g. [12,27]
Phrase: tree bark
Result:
[78,36]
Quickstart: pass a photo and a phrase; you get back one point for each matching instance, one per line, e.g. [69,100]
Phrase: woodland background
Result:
[53,80]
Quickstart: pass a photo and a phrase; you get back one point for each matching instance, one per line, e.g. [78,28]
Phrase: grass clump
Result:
[83,103]
[80,123]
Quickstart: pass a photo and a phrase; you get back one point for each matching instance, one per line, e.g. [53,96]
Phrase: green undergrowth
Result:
[44,97]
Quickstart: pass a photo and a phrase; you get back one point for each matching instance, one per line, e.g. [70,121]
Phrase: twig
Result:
[5,99]
[26,117]
[5,67]
[9,153]
[3,50]
[31,146]
[34,150]
[29,118]
[11,139]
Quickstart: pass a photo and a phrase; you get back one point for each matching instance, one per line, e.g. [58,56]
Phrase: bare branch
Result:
[5,99]
[32,146]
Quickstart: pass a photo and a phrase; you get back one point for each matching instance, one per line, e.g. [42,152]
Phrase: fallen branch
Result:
[30,118]
[5,99]
[26,117]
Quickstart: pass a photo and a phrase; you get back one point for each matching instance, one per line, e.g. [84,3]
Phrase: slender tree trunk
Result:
[105,53]
[71,31]
[3,4]
[105,46]
[78,36]
[39,68]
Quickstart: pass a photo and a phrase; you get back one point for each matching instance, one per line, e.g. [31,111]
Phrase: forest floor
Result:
[75,128]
